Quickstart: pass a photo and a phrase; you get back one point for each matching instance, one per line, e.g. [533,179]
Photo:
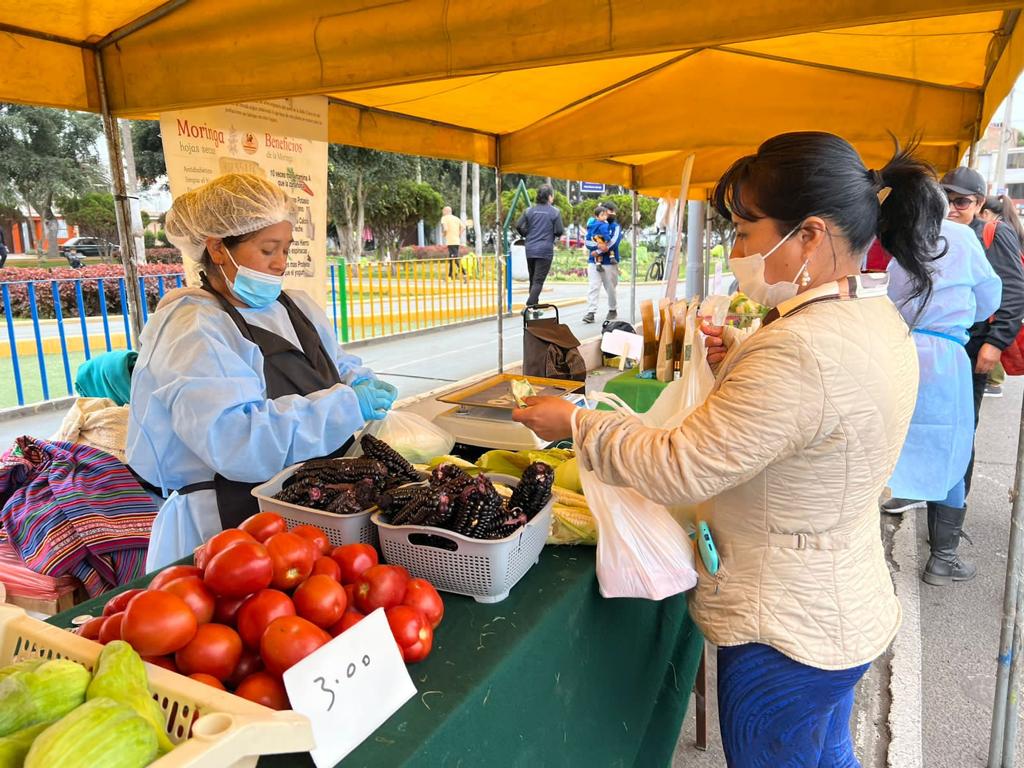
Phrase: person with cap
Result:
[236,379]
[603,237]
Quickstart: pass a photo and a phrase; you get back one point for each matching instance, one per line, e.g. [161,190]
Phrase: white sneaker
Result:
[896,506]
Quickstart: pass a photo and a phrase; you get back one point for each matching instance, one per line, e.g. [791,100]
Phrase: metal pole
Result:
[122,206]
[1009,637]
[707,248]
[694,244]
[632,284]
[501,265]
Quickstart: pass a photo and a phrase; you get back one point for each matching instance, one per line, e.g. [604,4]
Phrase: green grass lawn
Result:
[31,381]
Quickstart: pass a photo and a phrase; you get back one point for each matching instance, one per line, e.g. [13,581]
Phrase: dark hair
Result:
[810,173]
[598,209]
[206,263]
[609,206]
[1004,207]
[544,194]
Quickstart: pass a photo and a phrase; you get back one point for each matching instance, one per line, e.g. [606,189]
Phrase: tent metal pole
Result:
[632,285]
[1007,669]
[501,278]
[122,205]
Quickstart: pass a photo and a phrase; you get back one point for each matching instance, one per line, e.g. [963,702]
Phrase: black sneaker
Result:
[588,318]
[993,390]
[612,315]
[896,506]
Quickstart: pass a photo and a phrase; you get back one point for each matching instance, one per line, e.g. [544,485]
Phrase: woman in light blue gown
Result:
[938,446]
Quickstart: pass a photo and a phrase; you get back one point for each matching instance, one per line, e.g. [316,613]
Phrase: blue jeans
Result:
[778,713]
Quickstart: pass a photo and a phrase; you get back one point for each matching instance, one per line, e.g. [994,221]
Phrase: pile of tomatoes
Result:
[259,599]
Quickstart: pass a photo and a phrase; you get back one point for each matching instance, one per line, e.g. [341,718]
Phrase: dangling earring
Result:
[805,278]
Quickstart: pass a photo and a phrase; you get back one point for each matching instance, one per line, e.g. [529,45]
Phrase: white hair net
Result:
[230,205]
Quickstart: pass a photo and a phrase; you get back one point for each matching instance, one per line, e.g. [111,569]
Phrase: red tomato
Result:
[215,650]
[263,525]
[157,623]
[354,559]
[249,663]
[167,662]
[411,631]
[419,651]
[118,603]
[239,570]
[226,609]
[222,541]
[209,680]
[175,572]
[421,595]
[265,689]
[288,640]
[320,599]
[195,593]
[315,535]
[382,586]
[91,629]
[111,629]
[350,618]
[292,557]
[258,611]
[327,567]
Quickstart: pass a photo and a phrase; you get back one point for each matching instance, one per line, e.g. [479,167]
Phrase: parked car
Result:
[78,248]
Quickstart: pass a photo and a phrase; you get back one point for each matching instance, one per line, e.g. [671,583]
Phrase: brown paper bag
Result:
[650,359]
[666,366]
[679,320]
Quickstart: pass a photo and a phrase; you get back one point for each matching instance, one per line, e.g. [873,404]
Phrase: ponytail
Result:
[1004,208]
[910,218]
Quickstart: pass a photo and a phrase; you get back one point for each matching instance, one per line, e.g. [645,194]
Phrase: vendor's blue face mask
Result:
[257,289]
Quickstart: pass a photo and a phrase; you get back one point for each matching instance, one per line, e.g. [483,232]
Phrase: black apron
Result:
[287,371]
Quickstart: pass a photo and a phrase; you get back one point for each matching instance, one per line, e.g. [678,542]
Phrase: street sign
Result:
[591,187]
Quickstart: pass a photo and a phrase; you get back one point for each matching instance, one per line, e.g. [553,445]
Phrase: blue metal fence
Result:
[36,332]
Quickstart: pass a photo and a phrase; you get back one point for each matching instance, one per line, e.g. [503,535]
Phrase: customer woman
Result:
[238,379]
[790,451]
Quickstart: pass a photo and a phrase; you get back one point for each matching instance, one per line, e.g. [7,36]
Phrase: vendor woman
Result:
[788,455]
[238,379]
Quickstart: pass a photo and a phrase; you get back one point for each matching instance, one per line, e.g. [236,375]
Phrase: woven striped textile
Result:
[74,510]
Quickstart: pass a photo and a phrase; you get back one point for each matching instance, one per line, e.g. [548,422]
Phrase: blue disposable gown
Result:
[199,408]
[966,290]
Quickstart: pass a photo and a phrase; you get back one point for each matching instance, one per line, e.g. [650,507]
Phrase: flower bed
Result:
[17,279]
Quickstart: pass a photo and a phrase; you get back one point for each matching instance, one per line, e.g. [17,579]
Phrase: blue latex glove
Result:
[372,403]
[385,389]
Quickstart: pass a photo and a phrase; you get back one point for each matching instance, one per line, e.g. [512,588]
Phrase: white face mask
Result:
[749,273]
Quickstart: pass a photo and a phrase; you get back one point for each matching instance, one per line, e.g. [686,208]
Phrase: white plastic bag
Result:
[641,550]
[694,384]
[415,438]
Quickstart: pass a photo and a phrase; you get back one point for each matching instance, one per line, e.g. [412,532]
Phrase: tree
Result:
[353,173]
[149,153]
[46,154]
[392,208]
[93,214]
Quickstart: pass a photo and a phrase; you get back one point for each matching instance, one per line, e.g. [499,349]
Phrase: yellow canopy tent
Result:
[618,91]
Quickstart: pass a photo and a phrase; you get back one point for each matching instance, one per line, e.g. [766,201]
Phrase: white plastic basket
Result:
[340,529]
[484,569]
[226,731]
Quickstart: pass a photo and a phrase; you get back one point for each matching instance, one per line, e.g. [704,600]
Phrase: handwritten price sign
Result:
[349,687]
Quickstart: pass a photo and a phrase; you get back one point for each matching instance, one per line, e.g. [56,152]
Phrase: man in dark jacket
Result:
[966,191]
[541,225]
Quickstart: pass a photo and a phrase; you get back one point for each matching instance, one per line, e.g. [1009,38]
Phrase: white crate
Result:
[340,529]
[484,569]
[227,731]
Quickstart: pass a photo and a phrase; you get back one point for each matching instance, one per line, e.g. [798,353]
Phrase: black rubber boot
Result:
[945,528]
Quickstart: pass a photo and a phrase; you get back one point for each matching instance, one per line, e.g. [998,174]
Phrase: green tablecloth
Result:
[638,394]
[555,675]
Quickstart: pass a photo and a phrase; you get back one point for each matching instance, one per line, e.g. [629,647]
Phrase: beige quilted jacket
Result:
[786,459]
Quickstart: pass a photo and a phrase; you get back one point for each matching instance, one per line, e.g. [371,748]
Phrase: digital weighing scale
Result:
[482,412]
